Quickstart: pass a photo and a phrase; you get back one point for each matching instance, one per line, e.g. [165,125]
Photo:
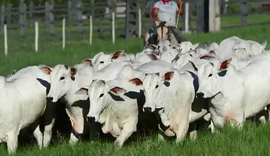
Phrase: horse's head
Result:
[162,31]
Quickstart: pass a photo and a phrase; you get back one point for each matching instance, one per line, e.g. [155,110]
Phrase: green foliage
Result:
[251,141]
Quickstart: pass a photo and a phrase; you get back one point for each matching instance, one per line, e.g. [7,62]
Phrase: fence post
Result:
[8,14]
[31,10]
[5,39]
[110,7]
[113,27]
[64,33]
[69,7]
[186,17]
[217,16]
[90,29]
[51,19]
[244,12]
[139,22]
[211,15]
[47,12]
[79,18]
[36,36]
[2,17]
[92,18]
[22,18]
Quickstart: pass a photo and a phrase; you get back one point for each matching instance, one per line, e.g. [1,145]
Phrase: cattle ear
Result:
[72,71]
[117,54]
[117,90]
[46,69]
[195,46]
[224,64]
[136,81]
[212,52]
[168,76]
[206,57]
[87,62]
[152,56]
[82,91]
[193,65]
[153,46]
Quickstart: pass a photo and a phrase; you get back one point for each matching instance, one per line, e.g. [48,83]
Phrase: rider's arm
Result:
[180,7]
[154,14]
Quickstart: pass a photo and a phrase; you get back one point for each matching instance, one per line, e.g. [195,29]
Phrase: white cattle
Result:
[101,59]
[171,96]
[239,47]
[235,94]
[169,55]
[21,107]
[187,46]
[212,47]
[114,105]
[157,66]
[66,81]
[142,58]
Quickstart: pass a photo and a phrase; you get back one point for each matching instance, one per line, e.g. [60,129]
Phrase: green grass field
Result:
[252,140]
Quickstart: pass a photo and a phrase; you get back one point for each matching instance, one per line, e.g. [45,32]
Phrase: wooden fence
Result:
[245,13]
[20,20]
[50,16]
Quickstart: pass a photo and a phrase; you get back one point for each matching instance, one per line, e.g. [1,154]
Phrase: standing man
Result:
[167,10]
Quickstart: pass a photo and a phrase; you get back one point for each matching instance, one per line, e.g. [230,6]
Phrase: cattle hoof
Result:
[161,137]
[118,144]
[193,135]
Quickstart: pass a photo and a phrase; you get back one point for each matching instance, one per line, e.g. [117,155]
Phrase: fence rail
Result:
[50,16]
[20,21]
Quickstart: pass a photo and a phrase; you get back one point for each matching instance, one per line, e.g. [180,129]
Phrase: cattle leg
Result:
[212,127]
[193,133]
[73,139]
[160,136]
[12,142]
[128,129]
[264,115]
[48,133]
[238,122]
[38,135]
[181,131]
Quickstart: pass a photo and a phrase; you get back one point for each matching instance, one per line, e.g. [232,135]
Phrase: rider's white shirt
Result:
[167,12]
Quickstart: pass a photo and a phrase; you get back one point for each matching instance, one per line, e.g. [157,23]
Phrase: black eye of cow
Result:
[62,78]
[101,62]
[101,95]
[210,75]
[156,86]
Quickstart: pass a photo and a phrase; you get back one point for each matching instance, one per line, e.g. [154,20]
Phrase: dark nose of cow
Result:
[200,95]
[147,109]
[91,119]
[49,99]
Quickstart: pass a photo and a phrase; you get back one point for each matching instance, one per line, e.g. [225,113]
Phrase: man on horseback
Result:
[165,11]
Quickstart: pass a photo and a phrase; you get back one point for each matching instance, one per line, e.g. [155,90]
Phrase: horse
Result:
[163,32]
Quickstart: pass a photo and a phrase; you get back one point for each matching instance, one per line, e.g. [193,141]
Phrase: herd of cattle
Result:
[169,86]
